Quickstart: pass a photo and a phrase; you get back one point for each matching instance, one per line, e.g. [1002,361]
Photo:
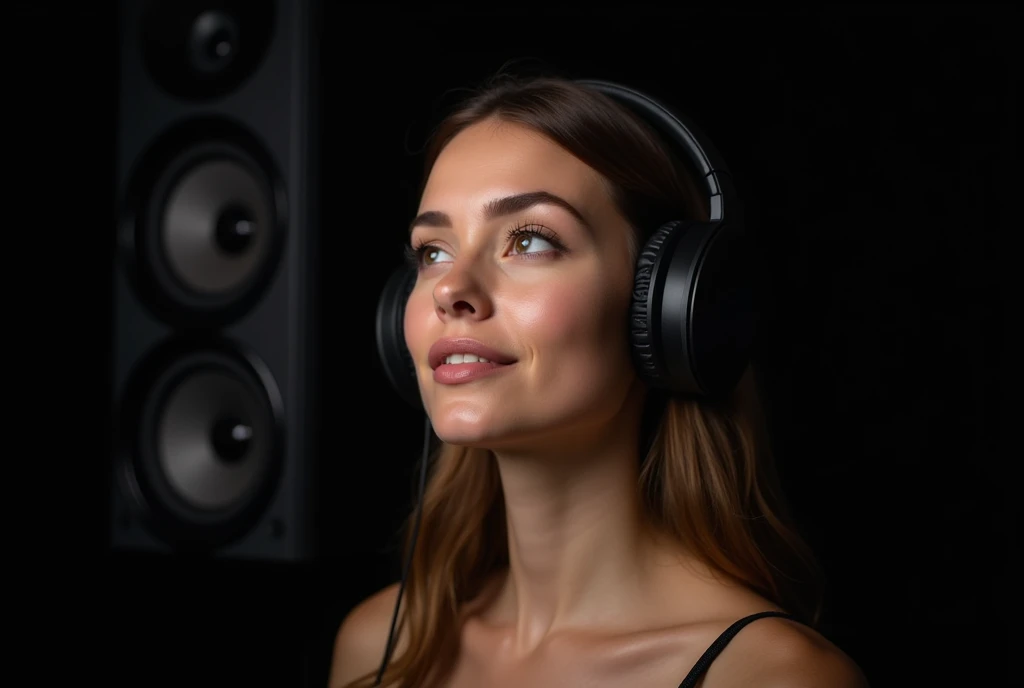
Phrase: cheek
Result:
[418,323]
[573,317]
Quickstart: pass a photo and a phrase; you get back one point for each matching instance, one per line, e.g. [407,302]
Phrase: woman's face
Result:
[545,287]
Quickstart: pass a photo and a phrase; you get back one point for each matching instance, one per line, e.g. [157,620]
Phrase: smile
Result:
[459,369]
[458,360]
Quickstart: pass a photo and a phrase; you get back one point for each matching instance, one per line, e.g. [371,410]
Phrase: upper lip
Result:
[443,348]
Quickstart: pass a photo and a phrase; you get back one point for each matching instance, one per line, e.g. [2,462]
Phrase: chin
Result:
[510,424]
[462,426]
[477,424]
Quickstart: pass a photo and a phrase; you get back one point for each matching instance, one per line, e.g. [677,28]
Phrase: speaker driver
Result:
[205,224]
[206,450]
[201,49]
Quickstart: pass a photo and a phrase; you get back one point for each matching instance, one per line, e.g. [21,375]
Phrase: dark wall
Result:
[878,156]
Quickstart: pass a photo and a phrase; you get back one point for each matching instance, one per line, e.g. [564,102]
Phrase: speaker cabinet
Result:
[215,327]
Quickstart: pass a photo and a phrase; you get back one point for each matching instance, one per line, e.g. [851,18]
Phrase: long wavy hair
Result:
[707,476]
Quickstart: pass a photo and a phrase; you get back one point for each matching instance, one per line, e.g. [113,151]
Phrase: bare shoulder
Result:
[779,653]
[362,637]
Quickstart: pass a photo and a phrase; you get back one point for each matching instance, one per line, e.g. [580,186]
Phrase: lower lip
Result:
[458,373]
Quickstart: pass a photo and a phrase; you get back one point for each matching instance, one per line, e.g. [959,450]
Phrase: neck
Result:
[578,543]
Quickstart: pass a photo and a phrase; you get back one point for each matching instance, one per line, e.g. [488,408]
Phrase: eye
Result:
[531,242]
[534,240]
[430,255]
[423,255]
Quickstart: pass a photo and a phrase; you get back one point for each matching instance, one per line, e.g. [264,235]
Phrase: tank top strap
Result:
[716,647]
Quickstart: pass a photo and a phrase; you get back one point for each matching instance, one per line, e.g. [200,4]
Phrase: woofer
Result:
[204,224]
[206,448]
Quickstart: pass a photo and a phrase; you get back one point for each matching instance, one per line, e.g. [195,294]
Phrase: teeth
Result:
[465,358]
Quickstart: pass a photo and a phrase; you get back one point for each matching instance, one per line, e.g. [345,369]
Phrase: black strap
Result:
[716,647]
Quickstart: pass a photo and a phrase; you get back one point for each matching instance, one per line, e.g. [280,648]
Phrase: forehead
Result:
[494,157]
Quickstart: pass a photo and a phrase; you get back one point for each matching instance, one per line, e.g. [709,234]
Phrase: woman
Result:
[578,529]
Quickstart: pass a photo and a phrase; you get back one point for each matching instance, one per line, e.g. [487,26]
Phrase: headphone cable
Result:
[412,546]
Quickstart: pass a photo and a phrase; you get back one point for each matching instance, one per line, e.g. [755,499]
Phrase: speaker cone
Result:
[214,225]
[205,224]
[204,450]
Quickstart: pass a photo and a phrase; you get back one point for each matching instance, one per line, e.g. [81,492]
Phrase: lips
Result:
[443,348]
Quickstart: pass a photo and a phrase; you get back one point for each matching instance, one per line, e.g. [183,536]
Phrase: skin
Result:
[563,420]
[592,597]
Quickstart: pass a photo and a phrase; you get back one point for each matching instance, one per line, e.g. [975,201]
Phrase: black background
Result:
[877,152]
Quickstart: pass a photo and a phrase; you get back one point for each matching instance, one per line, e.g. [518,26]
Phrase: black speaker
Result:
[215,326]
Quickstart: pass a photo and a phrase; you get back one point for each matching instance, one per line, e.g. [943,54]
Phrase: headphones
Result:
[691,321]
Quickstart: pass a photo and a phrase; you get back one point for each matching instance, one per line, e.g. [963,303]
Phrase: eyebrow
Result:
[500,207]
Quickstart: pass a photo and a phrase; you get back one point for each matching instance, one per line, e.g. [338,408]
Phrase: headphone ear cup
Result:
[692,313]
[644,330]
[391,349]
[721,310]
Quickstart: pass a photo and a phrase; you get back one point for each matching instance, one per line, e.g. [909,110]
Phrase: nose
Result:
[460,294]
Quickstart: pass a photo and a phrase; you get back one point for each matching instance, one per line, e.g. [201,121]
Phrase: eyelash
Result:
[414,253]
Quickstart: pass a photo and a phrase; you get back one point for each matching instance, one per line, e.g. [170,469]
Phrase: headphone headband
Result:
[698,148]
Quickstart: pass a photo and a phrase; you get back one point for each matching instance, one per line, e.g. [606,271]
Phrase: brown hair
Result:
[707,479]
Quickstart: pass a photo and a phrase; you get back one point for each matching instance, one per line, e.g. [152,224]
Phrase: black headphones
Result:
[692,316]
[691,319]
